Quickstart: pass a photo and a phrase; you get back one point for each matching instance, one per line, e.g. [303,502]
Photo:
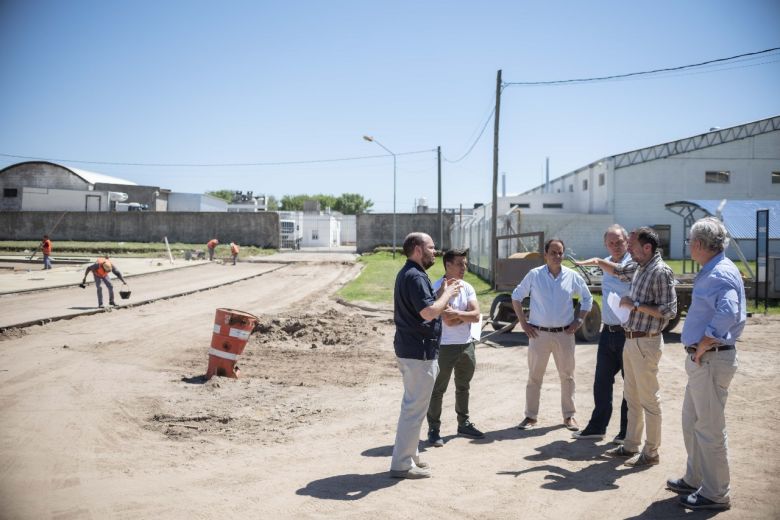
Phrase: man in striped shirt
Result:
[652,303]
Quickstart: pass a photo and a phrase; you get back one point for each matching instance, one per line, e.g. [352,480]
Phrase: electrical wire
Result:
[214,165]
[668,71]
[634,74]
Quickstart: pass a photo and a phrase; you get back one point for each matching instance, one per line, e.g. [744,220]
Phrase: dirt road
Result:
[106,416]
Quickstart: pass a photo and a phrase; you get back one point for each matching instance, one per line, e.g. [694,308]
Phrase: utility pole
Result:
[441,224]
[493,222]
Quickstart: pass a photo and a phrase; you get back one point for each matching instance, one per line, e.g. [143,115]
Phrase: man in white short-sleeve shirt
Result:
[460,329]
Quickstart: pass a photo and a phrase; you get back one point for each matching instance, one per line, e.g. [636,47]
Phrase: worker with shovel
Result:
[46,250]
[100,271]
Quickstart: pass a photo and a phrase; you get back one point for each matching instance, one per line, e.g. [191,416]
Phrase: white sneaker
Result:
[412,473]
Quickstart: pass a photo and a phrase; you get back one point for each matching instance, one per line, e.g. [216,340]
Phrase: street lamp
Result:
[395,224]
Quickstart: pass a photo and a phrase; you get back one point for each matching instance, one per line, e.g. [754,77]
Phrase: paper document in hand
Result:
[613,300]
[476,329]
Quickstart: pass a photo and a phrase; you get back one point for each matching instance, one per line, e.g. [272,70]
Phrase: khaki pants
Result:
[642,393]
[704,423]
[418,378]
[561,346]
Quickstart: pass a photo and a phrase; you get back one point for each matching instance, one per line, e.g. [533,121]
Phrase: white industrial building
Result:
[739,163]
[195,202]
[46,186]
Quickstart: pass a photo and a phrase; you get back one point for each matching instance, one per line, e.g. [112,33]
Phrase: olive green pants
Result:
[461,360]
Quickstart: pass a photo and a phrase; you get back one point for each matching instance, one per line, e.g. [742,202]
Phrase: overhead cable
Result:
[212,165]
[642,73]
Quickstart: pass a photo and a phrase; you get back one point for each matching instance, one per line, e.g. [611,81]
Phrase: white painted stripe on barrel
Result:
[223,355]
[217,328]
[240,334]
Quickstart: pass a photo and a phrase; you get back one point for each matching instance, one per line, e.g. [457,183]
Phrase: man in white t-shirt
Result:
[460,330]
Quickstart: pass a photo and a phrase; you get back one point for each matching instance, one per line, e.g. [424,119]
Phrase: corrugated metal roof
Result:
[739,216]
[92,177]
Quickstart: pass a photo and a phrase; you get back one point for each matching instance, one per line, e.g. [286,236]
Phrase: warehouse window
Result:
[571,187]
[10,192]
[552,205]
[601,179]
[584,184]
[720,177]
[520,205]
[775,177]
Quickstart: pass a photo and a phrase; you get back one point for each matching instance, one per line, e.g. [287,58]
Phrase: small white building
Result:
[195,202]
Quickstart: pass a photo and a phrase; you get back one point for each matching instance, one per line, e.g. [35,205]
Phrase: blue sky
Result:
[197,82]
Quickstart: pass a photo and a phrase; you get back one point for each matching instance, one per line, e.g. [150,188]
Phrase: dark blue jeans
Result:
[609,361]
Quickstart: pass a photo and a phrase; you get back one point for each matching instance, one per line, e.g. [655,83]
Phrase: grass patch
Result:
[143,249]
[377,280]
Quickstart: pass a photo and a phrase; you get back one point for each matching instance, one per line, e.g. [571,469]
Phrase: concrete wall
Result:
[376,229]
[259,229]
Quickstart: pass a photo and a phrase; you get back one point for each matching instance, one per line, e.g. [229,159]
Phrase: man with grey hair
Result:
[715,320]
[417,313]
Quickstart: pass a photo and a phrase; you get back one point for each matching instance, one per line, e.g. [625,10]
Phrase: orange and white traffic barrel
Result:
[232,329]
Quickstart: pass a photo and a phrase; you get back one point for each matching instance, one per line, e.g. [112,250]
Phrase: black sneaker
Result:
[434,439]
[468,429]
[588,434]
[678,485]
[619,439]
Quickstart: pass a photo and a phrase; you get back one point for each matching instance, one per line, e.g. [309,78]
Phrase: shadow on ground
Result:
[348,487]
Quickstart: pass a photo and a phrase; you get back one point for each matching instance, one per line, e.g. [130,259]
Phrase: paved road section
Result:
[21,309]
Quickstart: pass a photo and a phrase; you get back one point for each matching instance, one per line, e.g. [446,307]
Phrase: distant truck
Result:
[131,206]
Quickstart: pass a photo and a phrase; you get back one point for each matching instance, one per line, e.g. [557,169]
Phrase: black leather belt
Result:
[631,334]
[692,348]
[548,329]
[614,328]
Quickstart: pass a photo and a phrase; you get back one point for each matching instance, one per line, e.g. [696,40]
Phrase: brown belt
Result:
[692,348]
[630,334]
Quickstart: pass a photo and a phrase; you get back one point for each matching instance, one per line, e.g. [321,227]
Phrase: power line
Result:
[642,73]
[487,121]
[623,77]
[212,165]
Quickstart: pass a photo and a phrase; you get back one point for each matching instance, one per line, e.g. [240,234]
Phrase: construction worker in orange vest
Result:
[211,245]
[100,271]
[234,251]
[46,249]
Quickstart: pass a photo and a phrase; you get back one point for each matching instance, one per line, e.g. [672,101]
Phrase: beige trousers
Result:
[704,423]
[642,393]
[561,346]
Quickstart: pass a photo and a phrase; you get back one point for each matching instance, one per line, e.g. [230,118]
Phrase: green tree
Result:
[352,204]
[295,202]
[271,204]
[226,195]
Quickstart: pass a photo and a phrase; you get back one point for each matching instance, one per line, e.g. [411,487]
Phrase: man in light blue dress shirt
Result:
[715,320]
[550,328]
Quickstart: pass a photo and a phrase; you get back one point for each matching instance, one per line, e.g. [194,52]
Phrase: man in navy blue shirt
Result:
[417,311]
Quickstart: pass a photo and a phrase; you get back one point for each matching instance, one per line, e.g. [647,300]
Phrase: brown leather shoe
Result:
[527,424]
[571,424]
